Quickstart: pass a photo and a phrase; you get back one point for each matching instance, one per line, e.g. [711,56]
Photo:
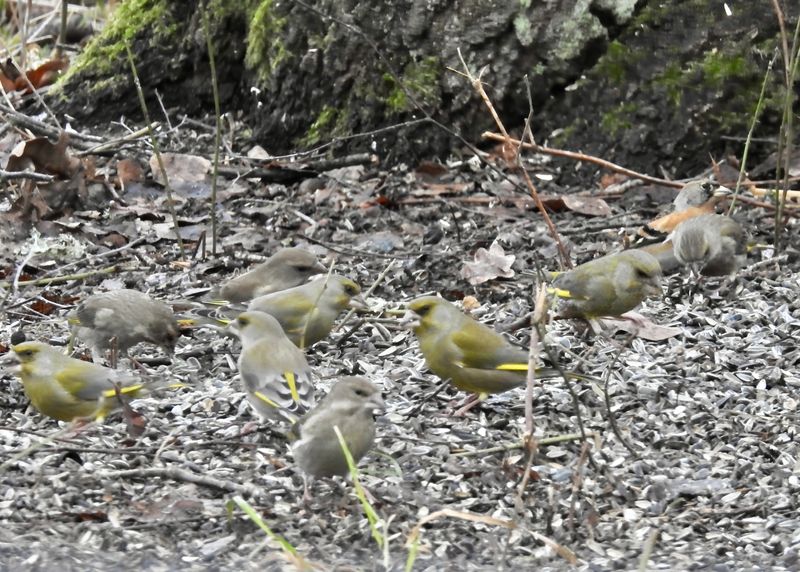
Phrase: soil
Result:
[705,476]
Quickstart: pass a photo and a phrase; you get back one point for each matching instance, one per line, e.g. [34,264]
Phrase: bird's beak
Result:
[320,268]
[358,303]
[376,401]
[721,191]
[10,361]
[233,328]
[410,320]
[654,289]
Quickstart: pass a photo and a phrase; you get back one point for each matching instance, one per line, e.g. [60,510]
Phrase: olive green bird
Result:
[68,389]
[471,355]
[287,268]
[607,286]
[307,313]
[275,373]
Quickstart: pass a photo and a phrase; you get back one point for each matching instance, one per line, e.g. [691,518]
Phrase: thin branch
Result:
[584,158]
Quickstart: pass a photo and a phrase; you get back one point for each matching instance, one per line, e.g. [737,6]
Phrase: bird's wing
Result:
[476,346]
[288,387]
[92,382]
[289,309]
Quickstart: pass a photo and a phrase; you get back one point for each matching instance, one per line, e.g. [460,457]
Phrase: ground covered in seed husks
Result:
[703,473]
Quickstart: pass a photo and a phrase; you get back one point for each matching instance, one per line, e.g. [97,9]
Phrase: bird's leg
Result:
[114,353]
[471,401]
[307,498]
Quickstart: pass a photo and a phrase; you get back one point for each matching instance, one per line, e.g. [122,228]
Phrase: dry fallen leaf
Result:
[488,264]
[180,168]
[641,327]
[591,206]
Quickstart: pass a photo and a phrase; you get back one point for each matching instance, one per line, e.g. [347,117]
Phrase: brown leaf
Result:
[428,170]
[45,157]
[180,168]
[45,74]
[129,170]
[591,206]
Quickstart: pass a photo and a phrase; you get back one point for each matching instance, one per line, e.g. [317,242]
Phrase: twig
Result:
[354,251]
[577,480]
[64,278]
[746,151]
[290,172]
[183,475]
[74,426]
[14,117]
[787,59]
[368,293]
[477,85]
[612,420]
[544,442]
[218,131]
[159,158]
[585,158]
[11,175]
[648,550]
[113,144]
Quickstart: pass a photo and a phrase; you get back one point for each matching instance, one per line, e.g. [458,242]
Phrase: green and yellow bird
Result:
[607,286]
[68,389]
[471,355]
[307,313]
[274,371]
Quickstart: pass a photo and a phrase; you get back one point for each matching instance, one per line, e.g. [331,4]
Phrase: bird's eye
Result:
[707,186]
[26,353]
[242,321]
[350,289]
[422,310]
[361,392]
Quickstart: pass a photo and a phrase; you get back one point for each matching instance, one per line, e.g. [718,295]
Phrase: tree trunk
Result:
[648,84]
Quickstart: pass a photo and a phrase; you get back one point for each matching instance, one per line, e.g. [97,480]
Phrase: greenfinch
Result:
[307,313]
[66,388]
[711,245]
[274,371]
[125,318]
[608,286]
[471,355]
[287,268]
[350,405]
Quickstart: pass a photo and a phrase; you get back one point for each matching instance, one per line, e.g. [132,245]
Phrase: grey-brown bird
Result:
[125,318]
[350,405]
[287,268]
[608,286]
[274,371]
[711,245]
[307,313]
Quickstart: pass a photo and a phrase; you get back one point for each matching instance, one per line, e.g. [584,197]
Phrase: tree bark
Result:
[648,84]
